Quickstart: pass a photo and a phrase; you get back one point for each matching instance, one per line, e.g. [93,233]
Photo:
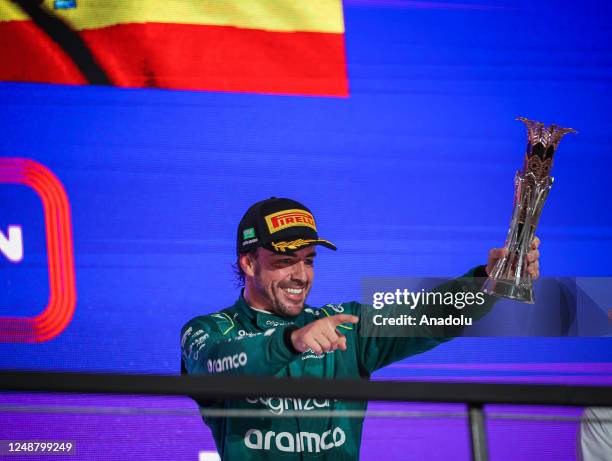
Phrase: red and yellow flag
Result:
[259,46]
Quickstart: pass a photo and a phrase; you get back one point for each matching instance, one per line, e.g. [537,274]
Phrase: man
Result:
[595,435]
[271,331]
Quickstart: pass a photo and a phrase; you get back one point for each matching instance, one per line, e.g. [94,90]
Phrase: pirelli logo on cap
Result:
[289,218]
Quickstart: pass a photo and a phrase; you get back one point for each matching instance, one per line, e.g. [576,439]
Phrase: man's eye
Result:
[309,262]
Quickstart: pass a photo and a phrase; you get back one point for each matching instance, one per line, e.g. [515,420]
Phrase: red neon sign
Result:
[62,287]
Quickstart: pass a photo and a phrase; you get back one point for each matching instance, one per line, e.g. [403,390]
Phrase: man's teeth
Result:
[294,291]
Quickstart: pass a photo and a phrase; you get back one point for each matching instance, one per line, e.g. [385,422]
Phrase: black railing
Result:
[475,395]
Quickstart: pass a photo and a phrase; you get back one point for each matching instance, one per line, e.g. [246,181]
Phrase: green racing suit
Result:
[243,340]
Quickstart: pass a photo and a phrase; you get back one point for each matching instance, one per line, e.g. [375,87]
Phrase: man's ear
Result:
[247,263]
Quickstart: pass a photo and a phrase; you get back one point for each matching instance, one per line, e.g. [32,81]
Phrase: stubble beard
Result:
[272,294]
[277,306]
[283,309]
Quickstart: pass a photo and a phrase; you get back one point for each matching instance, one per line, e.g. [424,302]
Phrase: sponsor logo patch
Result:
[185,336]
[248,233]
[309,442]
[289,218]
[278,405]
[227,363]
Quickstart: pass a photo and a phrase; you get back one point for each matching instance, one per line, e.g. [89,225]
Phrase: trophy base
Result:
[507,289]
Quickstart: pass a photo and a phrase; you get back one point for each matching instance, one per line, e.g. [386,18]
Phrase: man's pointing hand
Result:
[321,336]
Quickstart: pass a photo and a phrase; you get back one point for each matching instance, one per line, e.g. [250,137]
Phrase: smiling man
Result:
[271,331]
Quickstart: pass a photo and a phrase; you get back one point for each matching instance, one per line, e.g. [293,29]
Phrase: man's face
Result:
[280,283]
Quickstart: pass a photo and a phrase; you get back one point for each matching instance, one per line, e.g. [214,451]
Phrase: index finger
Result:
[344,318]
[535,243]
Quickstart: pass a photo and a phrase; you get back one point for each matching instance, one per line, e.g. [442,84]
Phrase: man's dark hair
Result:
[238,272]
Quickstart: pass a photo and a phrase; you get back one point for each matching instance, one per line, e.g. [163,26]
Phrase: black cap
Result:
[281,225]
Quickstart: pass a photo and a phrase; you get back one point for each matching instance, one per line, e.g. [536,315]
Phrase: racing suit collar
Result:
[266,320]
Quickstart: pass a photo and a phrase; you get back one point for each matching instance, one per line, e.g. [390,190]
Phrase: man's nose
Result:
[299,272]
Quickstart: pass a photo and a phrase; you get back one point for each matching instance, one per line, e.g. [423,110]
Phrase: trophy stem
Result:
[509,277]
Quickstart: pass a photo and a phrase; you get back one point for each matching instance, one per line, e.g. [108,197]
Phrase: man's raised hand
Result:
[533,256]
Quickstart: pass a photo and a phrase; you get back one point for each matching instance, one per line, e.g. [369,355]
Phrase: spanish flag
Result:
[255,46]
